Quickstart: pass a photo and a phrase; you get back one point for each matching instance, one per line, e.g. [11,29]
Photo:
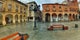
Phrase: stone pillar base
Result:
[18,21]
[4,23]
[13,21]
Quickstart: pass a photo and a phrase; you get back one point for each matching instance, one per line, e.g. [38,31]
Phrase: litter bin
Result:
[66,28]
[76,25]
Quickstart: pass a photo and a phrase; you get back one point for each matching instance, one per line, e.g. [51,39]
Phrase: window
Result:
[21,9]
[60,7]
[9,7]
[60,10]
[66,10]
[53,6]
[24,10]
[0,6]
[71,0]
[54,9]
[47,8]
[30,17]
[16,8]
[72,10]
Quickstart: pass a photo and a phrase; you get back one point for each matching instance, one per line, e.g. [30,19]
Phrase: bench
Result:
[15,36]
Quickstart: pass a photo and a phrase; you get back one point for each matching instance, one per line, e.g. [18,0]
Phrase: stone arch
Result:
[16,18]
[65,17]
[54,17]
[47,17]
[60,17]
[74,16]
[70,17]
[9,18]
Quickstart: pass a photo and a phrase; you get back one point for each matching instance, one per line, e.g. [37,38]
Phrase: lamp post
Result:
[34,8]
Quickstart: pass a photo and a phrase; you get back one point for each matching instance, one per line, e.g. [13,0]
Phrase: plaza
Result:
[42,33]
[16,16]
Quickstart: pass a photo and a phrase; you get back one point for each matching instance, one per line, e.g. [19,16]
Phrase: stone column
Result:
[72,18]
[57,17]
[63,18]
[78,16]
[67,17]
[18,18]
[14,19]
[51,19]
[3,20]
[22,18]
[43,18]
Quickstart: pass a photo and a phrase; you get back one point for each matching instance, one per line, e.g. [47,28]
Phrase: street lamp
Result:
[34,8]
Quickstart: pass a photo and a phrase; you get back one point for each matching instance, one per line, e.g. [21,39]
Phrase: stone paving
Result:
[42,33]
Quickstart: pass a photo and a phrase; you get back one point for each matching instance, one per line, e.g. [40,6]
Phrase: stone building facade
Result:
[60,12]
[12,11]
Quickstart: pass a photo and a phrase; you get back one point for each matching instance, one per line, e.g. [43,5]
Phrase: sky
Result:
[40,2]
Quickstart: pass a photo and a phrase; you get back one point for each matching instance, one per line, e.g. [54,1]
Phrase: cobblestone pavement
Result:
[42,33]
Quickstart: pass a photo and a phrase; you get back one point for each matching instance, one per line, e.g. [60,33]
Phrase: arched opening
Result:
[16,18]
[65,17]
[20,18]
[1,19]
[70,17]
[24,18]
[54,17]
[47,17]
[9,18]
[74,16]
[60,17]
[79,16]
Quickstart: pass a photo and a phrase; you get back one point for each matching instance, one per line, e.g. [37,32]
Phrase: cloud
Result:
[25,1]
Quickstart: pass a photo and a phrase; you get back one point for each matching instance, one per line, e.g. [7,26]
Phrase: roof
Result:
[53,4]
[20,2]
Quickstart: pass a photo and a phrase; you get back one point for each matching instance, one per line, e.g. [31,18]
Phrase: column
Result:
[13,7]
[3,20]
[76,17]
[22,18]
[25,18]
[14,19]
[57,18]
[43,18]
[71,17]
[51,19]
[18,18]
[63,18]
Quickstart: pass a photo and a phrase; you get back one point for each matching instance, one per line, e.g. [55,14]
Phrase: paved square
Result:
[42,33]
